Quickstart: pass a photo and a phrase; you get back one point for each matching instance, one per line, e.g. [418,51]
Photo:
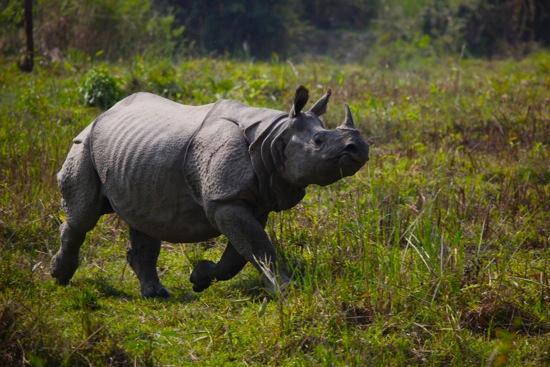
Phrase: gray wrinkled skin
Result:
[189,173]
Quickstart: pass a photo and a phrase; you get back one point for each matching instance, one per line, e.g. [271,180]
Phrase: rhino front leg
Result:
[246,234]
[207,271]
[230,264]
[142,257]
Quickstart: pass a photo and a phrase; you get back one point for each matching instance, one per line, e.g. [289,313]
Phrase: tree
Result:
[27,63]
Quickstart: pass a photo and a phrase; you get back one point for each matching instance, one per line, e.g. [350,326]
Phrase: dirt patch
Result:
[358,315]
[535,245]
[11,352]
[305,343]
[117,357]
[494,314]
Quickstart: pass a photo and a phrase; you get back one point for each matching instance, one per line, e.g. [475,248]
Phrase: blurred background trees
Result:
[347,30]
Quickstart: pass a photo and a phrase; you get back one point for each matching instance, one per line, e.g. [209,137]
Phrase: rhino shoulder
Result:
[223,169]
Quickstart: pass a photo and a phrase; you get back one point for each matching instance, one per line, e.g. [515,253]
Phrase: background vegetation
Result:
[436,253]
[348,30]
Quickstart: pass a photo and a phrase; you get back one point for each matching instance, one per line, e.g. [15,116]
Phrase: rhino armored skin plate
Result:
[182,173]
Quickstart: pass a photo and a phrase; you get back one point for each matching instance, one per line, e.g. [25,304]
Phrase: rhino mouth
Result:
[349,165]
[352,154]
[350,157]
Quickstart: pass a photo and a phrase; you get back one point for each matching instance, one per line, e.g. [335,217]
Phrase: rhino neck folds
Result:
[264,139]
[263,132]
[265,154]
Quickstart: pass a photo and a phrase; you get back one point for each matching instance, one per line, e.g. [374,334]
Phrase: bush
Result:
[112,29]
[100,89]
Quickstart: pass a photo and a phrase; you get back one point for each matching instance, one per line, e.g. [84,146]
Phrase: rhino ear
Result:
[300,100]
[320,107]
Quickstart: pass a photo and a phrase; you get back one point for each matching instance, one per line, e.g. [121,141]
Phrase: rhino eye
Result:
[318,140]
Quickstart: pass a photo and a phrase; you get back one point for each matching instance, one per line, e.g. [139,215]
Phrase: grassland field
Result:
[435,253]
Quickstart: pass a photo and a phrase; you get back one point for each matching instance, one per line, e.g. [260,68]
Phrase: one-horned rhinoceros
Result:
[189,173]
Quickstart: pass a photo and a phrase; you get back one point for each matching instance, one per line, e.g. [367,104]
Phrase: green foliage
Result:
[11,18]
[436,253]
[239,27]
[159,77]
[109,29]
[99,88]
[388,31]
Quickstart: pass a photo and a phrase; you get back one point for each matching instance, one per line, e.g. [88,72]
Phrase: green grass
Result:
[435,253]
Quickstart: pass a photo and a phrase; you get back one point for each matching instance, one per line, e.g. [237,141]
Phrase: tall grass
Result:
[435,253]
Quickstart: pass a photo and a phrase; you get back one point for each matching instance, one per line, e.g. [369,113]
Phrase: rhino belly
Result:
[187,224]
[162,209]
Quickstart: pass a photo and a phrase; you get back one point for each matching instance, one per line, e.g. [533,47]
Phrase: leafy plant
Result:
[100,89]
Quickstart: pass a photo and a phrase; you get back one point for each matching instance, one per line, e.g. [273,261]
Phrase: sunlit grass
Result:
[435,253]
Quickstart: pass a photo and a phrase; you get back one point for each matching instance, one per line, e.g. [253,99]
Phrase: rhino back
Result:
[138,148]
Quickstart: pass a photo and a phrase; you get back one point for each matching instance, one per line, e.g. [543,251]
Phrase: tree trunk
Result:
[28,62]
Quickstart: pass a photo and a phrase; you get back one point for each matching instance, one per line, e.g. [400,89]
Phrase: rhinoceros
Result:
[181,173]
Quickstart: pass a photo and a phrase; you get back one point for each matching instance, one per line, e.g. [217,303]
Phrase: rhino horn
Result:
[348,120]
[300,100]
[320,107]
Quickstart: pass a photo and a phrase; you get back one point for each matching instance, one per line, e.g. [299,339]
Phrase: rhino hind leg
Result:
[83,204]
[65,261]
[142,257]
[230,264]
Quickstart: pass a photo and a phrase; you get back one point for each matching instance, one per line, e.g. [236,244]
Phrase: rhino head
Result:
[313,154]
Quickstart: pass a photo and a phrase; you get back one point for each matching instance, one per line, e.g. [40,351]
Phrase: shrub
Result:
[100,89]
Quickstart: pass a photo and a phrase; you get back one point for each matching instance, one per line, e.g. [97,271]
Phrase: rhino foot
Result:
[63,267]
[201,277]
[154,291]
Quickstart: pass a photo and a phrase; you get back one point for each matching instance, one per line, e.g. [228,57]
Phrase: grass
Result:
[436,253]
